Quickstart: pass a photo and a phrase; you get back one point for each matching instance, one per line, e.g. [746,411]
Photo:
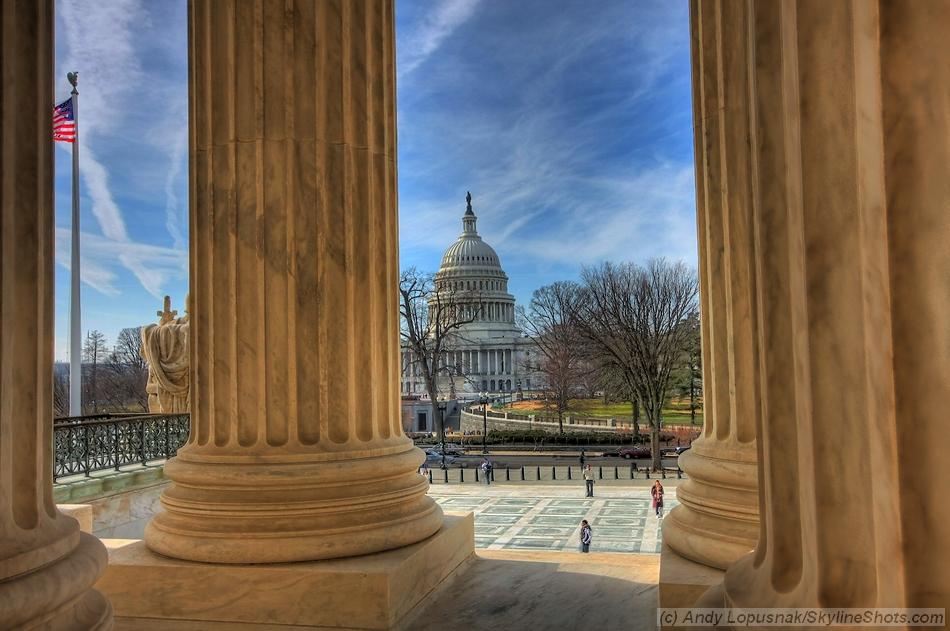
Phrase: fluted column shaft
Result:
[717,519]
[847,124]
[296,450]
[47,566]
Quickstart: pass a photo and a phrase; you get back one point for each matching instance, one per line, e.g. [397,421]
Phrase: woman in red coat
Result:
[657,493]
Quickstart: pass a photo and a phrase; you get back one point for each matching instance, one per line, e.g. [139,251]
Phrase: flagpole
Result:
[75,316]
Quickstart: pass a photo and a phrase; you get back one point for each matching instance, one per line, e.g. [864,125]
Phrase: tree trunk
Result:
[560,421]
[635,406]
[692,397]
[654,412]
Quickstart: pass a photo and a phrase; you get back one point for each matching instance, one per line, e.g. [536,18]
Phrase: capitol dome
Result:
[470,252]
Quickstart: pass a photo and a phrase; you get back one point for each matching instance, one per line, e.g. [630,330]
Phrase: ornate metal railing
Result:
[109,441]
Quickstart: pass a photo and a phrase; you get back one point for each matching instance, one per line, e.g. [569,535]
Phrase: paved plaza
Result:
[548,517]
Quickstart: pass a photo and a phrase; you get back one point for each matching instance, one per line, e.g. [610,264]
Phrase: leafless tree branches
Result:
[634,316]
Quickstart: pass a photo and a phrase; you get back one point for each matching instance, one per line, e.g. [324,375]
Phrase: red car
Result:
[637,451]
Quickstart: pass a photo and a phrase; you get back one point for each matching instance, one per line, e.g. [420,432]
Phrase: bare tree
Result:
[127,373]
[93,352]
[688,376]
[432,319]
[634,316]
[547,321]
[60,390]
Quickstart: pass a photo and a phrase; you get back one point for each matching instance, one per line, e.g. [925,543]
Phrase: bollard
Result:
[492,474]
[507,474]
[663,472]
[632,467]
[616,474]
[522,473]
[679,472]
[539,474]
[647,470]
[600,473]
[568,472]
[446,473]
[553,473]
[430,477]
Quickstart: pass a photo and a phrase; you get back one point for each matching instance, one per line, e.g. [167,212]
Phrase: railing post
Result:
[647,470]
[616,474]
[430,476]
[554,473]
[539,473]
[492,475]
[142,443]
[663,472]
[115,444]
[522,473]
[632,467]
[600,473]
[507,474]
[679,472]
[446,473]
[569,472]
[85,446]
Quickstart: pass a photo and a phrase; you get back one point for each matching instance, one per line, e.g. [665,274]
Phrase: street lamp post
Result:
[441,405]
[484,399]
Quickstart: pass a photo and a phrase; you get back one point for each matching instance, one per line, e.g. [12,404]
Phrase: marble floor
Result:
[548,518]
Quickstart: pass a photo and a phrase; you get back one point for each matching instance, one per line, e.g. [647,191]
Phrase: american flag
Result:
[64,124]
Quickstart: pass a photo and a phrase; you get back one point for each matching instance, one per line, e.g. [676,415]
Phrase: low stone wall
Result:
[472,422]
[122,502]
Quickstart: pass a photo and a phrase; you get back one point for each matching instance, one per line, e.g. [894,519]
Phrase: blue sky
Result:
[569,121]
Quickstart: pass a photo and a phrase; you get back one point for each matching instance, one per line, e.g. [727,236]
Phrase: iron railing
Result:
[85,444]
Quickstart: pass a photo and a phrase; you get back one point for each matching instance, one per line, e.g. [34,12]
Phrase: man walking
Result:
[486,470]
[585,536]
[589,480]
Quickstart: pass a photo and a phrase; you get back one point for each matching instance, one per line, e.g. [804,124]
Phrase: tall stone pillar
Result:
[47,566]
[848,118]
[717,519]
[296,450]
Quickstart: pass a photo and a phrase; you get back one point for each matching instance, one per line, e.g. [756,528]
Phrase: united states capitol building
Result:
[490,353]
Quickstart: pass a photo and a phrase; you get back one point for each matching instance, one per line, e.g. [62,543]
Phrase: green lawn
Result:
[676,414]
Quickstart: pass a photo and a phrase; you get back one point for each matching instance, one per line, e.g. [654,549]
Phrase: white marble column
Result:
[47,566]
[297,450]
[846,127]
[717,519]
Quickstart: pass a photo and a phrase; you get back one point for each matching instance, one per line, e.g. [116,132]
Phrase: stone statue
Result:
[165,349]
[468,200]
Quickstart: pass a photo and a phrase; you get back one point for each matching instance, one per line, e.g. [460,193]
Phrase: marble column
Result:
[717,519]
[296,450]
[47,566]
[847,124]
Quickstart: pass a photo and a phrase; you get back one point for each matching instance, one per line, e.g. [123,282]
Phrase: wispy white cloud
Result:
[559,127]
[107,42]
[155,265]
[437,25]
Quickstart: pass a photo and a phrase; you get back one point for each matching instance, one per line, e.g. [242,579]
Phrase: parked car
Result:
[637,451]
[436,457]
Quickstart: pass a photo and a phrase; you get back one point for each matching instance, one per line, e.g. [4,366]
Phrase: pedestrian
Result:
[589,480]
[424,470]
[585,536]
[657,493]
[486,470]
[583,458]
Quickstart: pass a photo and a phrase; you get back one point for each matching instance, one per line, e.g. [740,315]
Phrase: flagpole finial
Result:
[73,78]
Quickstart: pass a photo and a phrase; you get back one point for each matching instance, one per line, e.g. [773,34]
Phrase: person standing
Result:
[486,470]
[589,480]
[657,493]
[583,458]
[585,536]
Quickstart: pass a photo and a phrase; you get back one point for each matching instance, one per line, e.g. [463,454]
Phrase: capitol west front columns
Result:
[47,566]
[296,450]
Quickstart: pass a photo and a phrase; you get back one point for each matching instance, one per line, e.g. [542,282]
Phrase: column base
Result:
[252,509]
[59,596]
[374,591]
[717,520]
